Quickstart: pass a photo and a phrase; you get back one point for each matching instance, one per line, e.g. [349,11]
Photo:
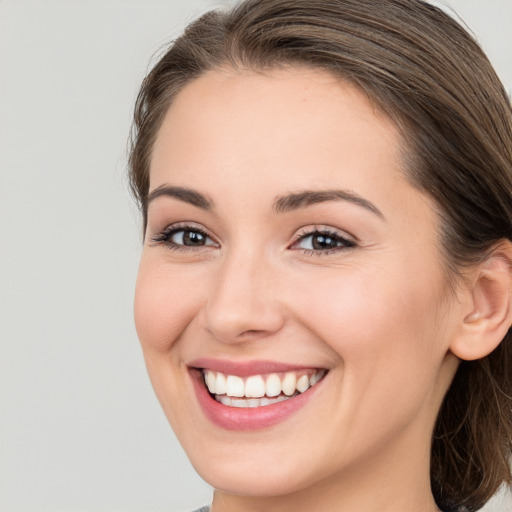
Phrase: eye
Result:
[183,238]
[321,241]
[190,238]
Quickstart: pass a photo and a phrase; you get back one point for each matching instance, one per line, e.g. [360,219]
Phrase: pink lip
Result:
[235,418]
[244,369]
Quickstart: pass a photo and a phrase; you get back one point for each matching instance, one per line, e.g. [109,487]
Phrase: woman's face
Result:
[284,246]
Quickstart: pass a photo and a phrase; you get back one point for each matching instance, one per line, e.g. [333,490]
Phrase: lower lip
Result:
[253,418]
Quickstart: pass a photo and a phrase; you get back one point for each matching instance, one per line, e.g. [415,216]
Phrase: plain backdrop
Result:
[80,429]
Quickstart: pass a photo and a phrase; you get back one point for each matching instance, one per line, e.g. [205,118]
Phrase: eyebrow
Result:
[307,198]
[186,195]
[282,204]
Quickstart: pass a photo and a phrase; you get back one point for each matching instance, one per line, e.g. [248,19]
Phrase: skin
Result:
[379,316]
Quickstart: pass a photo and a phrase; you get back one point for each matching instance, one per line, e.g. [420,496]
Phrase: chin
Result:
[247,480]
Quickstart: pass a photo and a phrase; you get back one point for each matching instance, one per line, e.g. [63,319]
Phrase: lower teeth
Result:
[251,402]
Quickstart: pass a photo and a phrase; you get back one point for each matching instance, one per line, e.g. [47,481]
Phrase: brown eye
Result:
[320,242]
[323,241]
[183,238]
[190,238]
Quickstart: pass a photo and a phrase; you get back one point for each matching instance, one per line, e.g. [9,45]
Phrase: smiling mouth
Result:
[259,390]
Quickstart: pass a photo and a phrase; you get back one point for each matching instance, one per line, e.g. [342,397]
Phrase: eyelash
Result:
[168,233]
[344,243]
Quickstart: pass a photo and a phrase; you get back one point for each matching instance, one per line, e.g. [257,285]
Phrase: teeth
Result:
[220,384]
[302,383]
[259,390]
[315,377]
[255,386]
[210,380]
[234,386]
[249,403]
[289,383]
[224,400]
[273,385]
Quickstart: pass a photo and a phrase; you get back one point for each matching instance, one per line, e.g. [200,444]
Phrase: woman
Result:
[323,298]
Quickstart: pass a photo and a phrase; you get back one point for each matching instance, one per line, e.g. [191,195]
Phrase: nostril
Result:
[252,333]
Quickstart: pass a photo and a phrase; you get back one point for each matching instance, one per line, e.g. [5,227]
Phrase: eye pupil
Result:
[193,238]
[320,242]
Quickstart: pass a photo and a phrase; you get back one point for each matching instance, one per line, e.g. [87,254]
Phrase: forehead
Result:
[285,112]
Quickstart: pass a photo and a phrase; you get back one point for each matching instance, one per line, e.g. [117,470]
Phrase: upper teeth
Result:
[257,386]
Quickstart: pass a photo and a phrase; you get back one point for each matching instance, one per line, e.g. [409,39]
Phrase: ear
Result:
[488,314]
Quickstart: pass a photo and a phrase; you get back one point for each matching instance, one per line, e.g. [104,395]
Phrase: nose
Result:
[243,304]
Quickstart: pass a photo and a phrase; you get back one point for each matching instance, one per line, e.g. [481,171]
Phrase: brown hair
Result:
[424,70]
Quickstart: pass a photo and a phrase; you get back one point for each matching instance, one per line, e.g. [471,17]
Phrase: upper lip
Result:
[246,368]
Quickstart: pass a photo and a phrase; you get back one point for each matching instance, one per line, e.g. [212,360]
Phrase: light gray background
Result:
[80,429]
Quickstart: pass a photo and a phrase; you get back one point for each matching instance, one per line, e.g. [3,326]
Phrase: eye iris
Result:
[320,242]
[193,238]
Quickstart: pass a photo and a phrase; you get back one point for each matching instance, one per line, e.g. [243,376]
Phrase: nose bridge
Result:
[242,303]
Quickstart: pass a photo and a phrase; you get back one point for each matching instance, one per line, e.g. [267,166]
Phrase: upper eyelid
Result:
[184,226]
[348,241]
[311,230]
[167,231]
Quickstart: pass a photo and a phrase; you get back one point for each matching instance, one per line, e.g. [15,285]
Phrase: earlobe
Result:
[489,317]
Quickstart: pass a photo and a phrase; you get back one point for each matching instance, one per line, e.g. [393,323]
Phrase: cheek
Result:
[165,304]
[384,326]
[355,304]
[384,333]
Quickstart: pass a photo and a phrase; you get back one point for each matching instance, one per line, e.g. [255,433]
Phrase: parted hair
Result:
[425,71]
